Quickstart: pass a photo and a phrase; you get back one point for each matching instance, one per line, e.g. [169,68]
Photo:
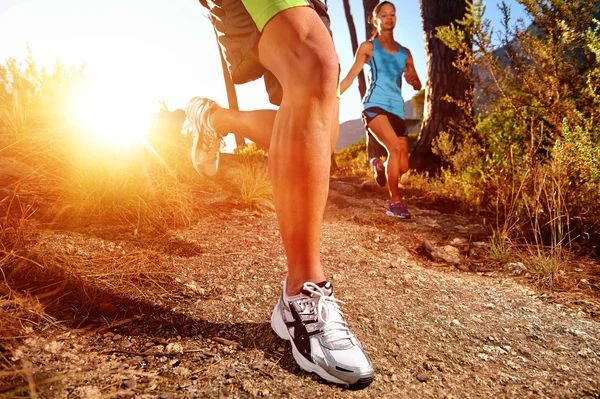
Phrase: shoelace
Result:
[334,329]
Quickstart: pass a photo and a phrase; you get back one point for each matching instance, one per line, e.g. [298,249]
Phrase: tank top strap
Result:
[376,43]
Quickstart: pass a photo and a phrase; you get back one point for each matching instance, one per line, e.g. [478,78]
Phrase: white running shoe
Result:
[321,341]
[206,141]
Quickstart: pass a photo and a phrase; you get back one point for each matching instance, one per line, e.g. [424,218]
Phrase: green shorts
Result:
[262,11]
[238,26]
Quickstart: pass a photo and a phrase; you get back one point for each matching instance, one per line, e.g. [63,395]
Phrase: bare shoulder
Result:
[366,50]
[366,47]
[407,50]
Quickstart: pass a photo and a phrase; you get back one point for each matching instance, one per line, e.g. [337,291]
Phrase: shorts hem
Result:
[275,9]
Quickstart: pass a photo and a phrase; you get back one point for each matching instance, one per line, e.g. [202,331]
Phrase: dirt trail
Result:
[431,330]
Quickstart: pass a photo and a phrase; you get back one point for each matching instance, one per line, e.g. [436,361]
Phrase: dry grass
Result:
[54,177]
[546,265]
[500,245]
[251,183]
[254,186]
[66,284]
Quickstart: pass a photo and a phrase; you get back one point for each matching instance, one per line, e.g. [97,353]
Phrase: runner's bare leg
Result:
[257,125]
[397,147]
[296,46]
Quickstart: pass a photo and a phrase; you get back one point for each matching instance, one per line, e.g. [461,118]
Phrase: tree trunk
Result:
[442,79]
[369,6]
[362,87]
[232,100]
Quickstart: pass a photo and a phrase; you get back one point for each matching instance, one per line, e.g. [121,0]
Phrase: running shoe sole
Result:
[392,214]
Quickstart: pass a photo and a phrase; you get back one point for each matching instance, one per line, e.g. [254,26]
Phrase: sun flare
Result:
[112,114]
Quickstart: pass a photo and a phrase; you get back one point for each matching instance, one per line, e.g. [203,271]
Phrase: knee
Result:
[313,71]
[399,151]
[403,166]
[396,149]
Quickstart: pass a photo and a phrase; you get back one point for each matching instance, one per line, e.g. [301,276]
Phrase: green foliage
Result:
[532,151]
[418,102]
[354,160]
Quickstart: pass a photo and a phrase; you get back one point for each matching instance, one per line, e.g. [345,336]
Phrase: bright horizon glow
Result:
[111,120]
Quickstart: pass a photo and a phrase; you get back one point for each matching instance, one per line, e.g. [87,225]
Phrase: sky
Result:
[146,51]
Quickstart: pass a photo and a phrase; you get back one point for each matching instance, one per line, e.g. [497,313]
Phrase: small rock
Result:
[456,323]
[229,374]
[516,268]
[495,350]
[422,377]
[575,332]
[117,337]
[343,188]
[129,383]
[447,253]
[174,347]
[513,365]
[478,249]
[586,352]
[255,365]
[457,241]
[484,356]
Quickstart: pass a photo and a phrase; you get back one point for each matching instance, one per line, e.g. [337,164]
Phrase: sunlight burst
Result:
[112,114]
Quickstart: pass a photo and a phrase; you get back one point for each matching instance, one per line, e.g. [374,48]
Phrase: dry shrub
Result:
[81,180]
[252,181]
[53,176]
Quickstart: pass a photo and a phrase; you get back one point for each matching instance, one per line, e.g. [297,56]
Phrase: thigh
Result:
[294,35]
[399,125]
[383,131]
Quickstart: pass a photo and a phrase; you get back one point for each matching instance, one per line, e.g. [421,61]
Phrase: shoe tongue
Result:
[325,286]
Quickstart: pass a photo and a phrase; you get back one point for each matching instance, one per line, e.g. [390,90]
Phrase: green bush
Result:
[353,160]
[530,153]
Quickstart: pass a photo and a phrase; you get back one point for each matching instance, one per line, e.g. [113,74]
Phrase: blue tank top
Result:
[384,76]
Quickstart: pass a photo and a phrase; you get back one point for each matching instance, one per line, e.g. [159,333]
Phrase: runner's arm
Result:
[410,74]
[364,52]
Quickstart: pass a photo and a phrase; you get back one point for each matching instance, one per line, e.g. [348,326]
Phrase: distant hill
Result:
[353,130]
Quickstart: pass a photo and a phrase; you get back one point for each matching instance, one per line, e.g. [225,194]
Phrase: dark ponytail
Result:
[374,32]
